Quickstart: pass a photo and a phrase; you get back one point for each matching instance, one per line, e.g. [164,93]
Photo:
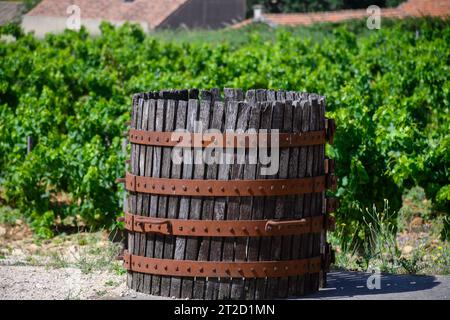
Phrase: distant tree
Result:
[275,6]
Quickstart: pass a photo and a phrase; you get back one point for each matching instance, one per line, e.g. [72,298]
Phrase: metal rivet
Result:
[138,184]
[265,269]
[260,188]
[210,189]
[188,269]
[193,229]
[252,269]
[283,187]
[184,188]
[286,268]
[205,229]
[157,139]
[272,187]
[244,229]
[214,270]
[165,268]
[240,270]
[167,139]
[222,189]
[197,189]
[177,269]
[256,228]
[146,266]
[201,270]
[163,187]
[231,230]
[275,268]
[145,185]
[236,190]
[153,186]
[227,271]
[218,229]
[159,227]
[156,266]
[180,228]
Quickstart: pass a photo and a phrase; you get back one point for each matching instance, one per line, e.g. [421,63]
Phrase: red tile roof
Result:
[413,8]
[154,12]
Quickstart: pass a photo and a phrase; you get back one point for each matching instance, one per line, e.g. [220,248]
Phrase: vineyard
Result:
[388,89]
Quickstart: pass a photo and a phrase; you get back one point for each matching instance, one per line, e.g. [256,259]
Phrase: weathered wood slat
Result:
[132,196]
[231,205]
[302,201]
[270,210]
[260,203]
[237,284]
[210,172]
[297,211]
[182,251]
[211,248]
[135,167]
[147,244]
[154,199]
[193,243]
[174,202]
[281,245]
[166,165]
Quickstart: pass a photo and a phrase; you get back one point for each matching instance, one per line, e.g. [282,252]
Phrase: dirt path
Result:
[25,282]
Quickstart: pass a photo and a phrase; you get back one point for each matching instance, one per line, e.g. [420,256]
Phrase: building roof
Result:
[154,12]
[10,11]
[411,8]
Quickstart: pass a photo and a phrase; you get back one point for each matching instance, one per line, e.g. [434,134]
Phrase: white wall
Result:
[41,25]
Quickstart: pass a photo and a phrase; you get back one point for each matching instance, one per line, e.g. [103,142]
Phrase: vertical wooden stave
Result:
[302,200]
[296,240]
[237,284]
[323,236]
[210,248]
[132,196]
[175,202]
[185,202]
[148,243]
[243,250]
[281,245]
[259,203]
[193,243]
[268,250]
[226,173]
[162,282]
[135,167]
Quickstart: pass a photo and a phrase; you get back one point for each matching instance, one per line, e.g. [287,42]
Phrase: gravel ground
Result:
[26,282]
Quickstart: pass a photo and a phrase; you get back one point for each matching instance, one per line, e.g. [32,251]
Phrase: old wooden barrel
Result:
[232,228]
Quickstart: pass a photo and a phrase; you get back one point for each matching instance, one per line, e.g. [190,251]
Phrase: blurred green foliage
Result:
[388,89]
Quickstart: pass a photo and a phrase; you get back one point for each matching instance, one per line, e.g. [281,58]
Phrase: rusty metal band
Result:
[225,228]
[332,204]
[222,269]
[228,188]
[229,140]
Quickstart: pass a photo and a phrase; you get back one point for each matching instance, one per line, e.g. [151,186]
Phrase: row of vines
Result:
[388,89]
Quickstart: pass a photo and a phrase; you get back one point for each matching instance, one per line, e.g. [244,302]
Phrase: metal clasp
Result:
[284,224]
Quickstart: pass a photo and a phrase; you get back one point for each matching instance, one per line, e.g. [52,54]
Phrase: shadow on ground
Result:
[353,285]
